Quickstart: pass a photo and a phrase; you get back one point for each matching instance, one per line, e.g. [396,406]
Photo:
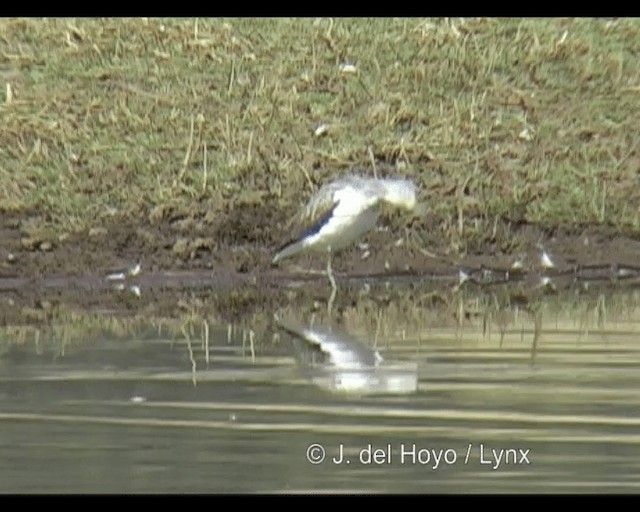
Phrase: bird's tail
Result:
[288,250]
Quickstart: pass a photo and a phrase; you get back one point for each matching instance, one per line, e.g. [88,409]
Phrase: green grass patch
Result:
[531,120]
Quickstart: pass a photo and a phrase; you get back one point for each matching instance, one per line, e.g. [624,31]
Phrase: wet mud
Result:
[222,260]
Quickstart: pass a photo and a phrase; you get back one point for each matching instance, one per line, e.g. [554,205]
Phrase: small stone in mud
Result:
[33,243]
[203,243]
[11,258]
[97,232]
[187,248]
[30,243]
[181,247]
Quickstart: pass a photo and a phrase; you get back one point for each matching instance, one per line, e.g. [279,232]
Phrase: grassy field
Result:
[498,121]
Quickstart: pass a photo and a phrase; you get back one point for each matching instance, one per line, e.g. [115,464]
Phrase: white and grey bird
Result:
[342,211]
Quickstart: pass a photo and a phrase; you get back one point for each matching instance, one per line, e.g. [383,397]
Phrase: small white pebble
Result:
[545,281]
[347,68]
[135,270]
[518,264]
[526,135]
[116,276]
[321,130]
[546,261]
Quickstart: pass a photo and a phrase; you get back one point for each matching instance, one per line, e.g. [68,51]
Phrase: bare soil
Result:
[223,261]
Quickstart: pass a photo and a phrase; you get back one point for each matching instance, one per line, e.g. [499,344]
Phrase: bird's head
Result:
[401,193]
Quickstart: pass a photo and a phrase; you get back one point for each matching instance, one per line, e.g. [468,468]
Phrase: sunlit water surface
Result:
[498,409]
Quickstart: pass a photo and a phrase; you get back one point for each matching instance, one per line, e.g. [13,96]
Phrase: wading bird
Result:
[342,211]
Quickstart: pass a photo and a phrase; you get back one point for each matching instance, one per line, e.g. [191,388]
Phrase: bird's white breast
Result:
[354,215]
[352,201]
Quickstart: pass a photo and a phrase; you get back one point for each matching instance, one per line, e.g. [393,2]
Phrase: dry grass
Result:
[499,121]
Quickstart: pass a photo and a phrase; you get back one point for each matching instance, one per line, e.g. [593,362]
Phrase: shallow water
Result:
[506,402]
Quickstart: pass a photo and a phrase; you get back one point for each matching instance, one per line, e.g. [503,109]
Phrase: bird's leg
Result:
[332,298]
[334,288]
[330,273]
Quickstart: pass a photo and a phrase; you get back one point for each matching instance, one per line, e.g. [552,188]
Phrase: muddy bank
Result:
[225,261]
[242,241]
